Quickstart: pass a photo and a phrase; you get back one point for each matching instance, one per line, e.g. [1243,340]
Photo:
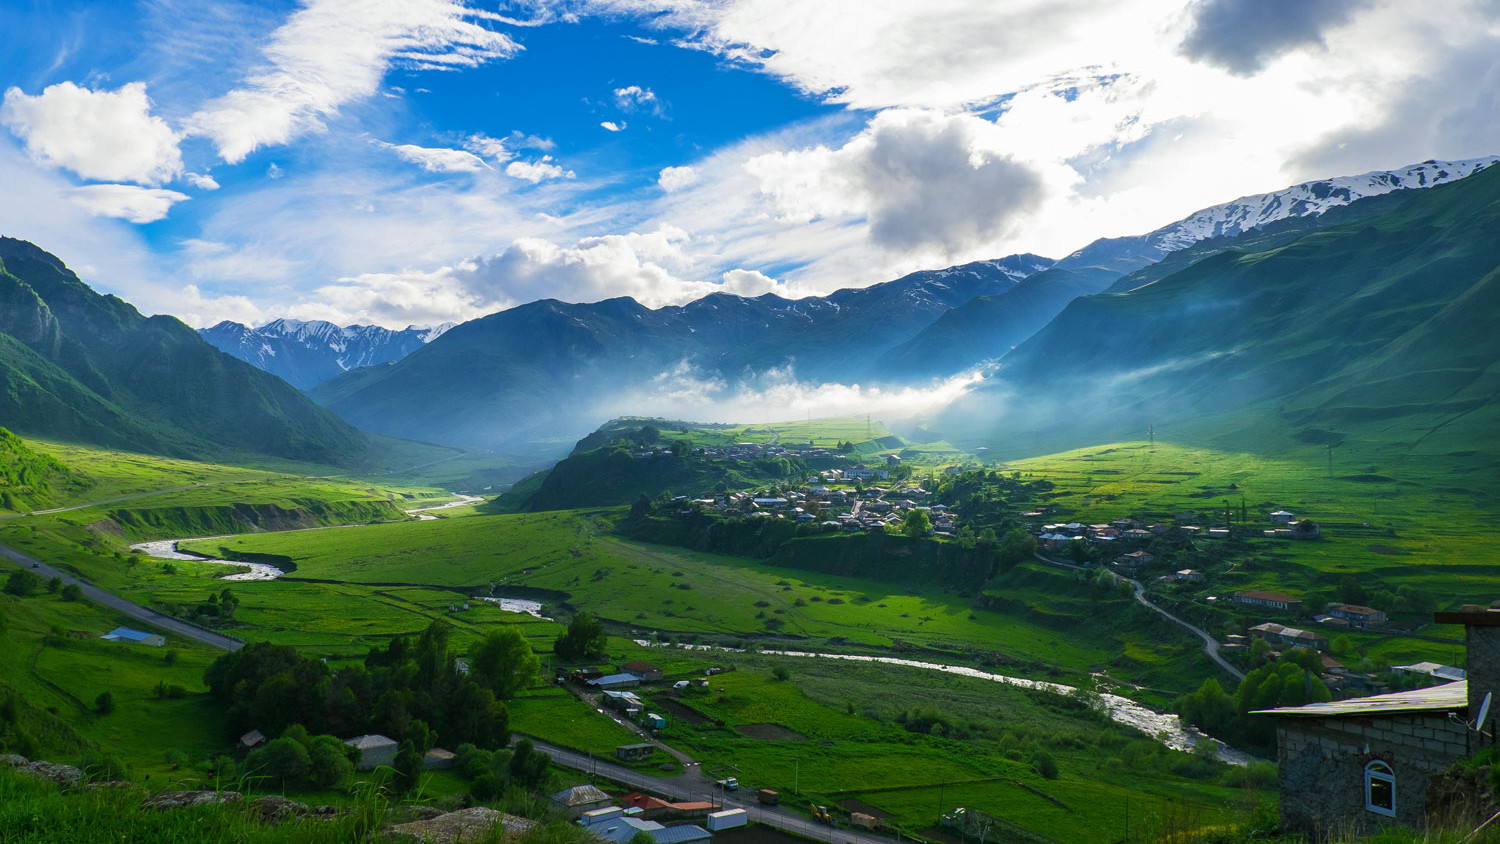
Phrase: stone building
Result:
[1353,766]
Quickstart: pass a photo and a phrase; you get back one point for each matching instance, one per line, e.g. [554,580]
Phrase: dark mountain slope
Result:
[550,371]
[989,326]
[82,366]
[1350,320]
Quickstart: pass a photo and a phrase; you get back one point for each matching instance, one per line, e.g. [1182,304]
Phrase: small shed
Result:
[374,750]
[634,752]
[139,637]
[655,722]
[616,681]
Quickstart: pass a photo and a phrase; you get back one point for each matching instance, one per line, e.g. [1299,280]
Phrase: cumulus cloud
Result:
[201,181]
[923,180]
[540,170]
[1241,36]
[676,178]
[639,265]
[103,135]
[635,98]
[331,53]
[611,126]
[438,159]
[742,282]
[127,202]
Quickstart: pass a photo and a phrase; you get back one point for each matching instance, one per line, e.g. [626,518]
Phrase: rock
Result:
[463,825]
[329,812]
[187,799]
[66,776]
[274,809]
[113,784]
[13,760]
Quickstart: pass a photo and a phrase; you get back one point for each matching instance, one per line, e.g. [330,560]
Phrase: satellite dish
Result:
[1484,711]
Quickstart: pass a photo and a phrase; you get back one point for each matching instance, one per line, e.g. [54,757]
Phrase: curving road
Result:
[115,602]
[1210,644]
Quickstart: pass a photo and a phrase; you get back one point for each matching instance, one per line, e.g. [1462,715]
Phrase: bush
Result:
[780,672]
[22,583]
[98,766]
[105,703]
[72,592]
[1045,765]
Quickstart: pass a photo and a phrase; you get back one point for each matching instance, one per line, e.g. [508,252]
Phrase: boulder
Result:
[274,809]
[463,825]
[187,799]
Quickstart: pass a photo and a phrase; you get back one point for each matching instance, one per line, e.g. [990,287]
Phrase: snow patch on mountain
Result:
[306,353]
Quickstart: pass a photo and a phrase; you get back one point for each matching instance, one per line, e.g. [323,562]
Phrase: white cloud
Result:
[612,126]
[103,135]
[274,171]
[202,181]
[742,282]
[438,159]
[676,178]
[635,98]
[492,148]
[127,202]
[331,53]
[923,180]
[537,171]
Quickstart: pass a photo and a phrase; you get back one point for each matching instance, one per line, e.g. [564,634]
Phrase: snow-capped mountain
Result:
[1249,212]
[305,354]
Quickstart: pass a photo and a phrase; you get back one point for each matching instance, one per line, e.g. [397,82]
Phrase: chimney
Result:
[1482,643]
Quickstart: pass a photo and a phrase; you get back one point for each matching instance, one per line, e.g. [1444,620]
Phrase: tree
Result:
[781,673]
[328,762]
[284,760]
[583,638]
[504,663]
[105,703]
[72,592]
[528,766]
[22,583]
[916,523]
[1045,765]
[54,585]
[408,767]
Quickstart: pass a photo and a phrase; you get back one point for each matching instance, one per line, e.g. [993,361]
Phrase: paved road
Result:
[114,602]
[1210,644]
[691,785]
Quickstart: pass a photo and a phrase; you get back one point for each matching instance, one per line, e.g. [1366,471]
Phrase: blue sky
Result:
[422,161]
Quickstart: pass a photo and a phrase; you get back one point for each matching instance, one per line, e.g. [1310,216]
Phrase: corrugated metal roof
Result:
[1438,698]
[680,834]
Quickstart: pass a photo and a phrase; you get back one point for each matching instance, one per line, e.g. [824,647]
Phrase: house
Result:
[892,460]
[1282,517]
[621,701]
[374,751]
[1189,576]
[634,752]
[1437,671]
[655,808]
[139,637]
[616,681]
[1269,600]
[438,759]
[616,826]
[579,799]
[254,738]
[1135,559]
[644,670]
[1278,634]
[1353,766]
[1357,616]
[655,722]
[1137,535]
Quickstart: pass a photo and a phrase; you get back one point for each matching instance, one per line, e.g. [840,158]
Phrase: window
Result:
[1380,789]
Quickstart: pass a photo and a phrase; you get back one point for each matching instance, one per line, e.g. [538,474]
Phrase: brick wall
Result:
[1322,765]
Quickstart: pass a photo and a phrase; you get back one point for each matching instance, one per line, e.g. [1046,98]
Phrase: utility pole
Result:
[1151,435]
[1330,460]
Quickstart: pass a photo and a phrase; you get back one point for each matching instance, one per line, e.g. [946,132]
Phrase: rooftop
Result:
[1449,696]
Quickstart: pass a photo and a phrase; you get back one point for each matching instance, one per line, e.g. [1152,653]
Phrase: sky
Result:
[413,162]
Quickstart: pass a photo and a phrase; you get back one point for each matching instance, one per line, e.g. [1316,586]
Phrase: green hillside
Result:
[79,366]
[1383,318]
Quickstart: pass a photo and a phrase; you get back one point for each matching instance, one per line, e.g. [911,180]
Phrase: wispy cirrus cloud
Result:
[329,54]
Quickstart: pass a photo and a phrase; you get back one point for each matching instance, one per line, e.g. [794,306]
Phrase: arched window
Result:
[1380,788]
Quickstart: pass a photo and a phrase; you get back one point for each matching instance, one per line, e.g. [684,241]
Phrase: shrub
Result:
[1045,765]
[780,672]
[72,592]
[105,703]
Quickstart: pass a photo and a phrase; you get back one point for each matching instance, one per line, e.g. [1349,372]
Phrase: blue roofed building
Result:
[139,637]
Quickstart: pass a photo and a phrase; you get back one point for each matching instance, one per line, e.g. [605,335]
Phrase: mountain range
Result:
[305,354]
[539,375]
[79,366]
